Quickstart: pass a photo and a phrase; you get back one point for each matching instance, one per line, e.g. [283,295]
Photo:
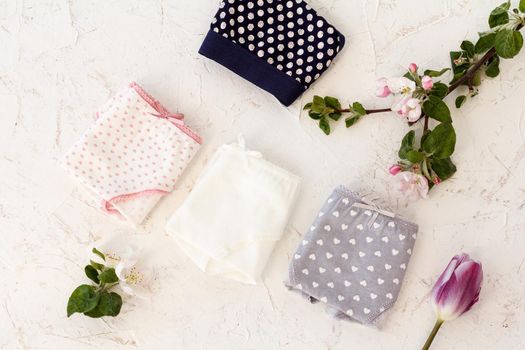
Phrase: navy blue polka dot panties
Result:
[281,46]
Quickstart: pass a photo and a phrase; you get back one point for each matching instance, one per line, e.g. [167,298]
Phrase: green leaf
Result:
[439,89]
[460,100]
[492,70]
[92,273]
[499,15]
[99,253]
[109,305]
[324,125]
[407,144]
[476,79]
[334,116]
[521,6]
[409,76]
[435,108]
[441,141]
[415,156]
[314,115]
[351,120]
[318,104]
[508,43]
[332,102]
[436,73]
[358,108]
[108,276]
[444,168]
[307,106]
[96,265]
[468,47]
[485,43]
[83,299]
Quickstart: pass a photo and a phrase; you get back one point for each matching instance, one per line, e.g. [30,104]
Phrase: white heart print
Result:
[388,267]
[354,268]
[312,228]
[385,239]
[305,242]
[305,271]
[353,213]
[319,242]
[395,251]
[369,239]
[336,241]
[361,254]
[396,280]
[344,256]
[344,227]
[312,256]
[315,284]
[377,253]
[336,214]
[356,298]
[368,212]
[322,270]
[330,200]
[391,224]
[403,266]
[363,283]
[321,213]
[328,255]
[370,268]
[327,228]
[299,286]
[352,241]
[350,312]
[337,270]
[402,237]
[330,284]
[360,227]
[345,201]
[340,297]
[373,296]
[297,256]
[376,225]
[366,311]
[347,283]
[389,295]
[380,281]
[324,299]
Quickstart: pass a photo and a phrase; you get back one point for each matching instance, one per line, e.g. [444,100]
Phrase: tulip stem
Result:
[432,334]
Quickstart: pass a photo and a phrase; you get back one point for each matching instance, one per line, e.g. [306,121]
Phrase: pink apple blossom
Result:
[412,67]
[401,85]
[413,185]
[427,82]
[409,108]
[394,169]
[382,88]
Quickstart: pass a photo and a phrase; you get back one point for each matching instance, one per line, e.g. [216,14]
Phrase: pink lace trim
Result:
[162,110]
[108,205]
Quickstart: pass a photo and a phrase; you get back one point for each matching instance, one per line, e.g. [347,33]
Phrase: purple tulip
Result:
[456,291]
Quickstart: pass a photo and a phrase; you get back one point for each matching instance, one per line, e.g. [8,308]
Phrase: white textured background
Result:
[60,60]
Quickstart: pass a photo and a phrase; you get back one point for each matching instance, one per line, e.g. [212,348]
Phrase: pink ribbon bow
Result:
[175,118]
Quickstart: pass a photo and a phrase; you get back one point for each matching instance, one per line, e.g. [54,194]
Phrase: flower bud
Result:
[427,82]
[412,68]
[394,169]
[458,287]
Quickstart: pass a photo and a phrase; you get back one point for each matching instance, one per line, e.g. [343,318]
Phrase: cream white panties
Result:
[237,211]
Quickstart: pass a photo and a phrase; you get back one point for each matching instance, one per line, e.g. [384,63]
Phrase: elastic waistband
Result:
[355,199]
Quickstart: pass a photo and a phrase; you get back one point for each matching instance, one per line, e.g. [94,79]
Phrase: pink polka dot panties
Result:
[133,154]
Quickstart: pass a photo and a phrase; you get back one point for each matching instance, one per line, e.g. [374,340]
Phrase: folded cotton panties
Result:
[280,46]
[237,211]
[133,154]
[353,258]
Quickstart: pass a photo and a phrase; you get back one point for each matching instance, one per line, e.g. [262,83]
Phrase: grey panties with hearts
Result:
[353,258]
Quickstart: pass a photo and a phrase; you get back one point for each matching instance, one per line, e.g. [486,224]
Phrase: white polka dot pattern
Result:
[289,35]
